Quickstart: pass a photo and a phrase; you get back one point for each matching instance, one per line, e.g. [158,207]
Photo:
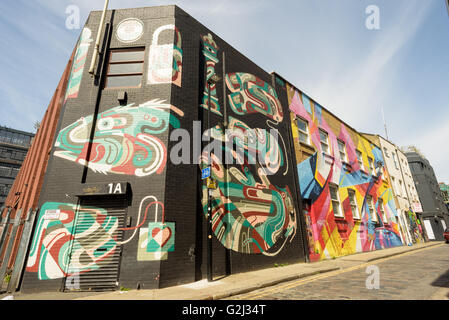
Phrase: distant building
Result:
[435,213]
[14,146]
[405,193]
[444,188]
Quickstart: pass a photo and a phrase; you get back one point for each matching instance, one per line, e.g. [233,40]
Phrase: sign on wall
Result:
[129,30]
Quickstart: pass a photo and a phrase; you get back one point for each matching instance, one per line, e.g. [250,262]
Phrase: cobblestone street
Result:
[419,275]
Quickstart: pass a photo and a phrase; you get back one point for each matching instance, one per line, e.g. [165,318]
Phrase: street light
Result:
[211,81]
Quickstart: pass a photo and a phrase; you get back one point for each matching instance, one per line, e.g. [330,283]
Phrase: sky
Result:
[323,47]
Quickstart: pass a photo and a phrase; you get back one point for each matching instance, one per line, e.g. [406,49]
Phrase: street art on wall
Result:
[157,238]
[250,94]
[165,61]
[79,61]
[250,214]
[210,53]
[361,181]
[125,140]
[59,250]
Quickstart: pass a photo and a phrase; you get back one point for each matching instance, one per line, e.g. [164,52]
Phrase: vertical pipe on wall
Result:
[97,42]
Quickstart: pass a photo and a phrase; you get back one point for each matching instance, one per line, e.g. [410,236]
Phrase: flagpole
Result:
[97,42]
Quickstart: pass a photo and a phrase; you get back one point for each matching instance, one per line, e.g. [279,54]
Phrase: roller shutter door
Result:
[96,251]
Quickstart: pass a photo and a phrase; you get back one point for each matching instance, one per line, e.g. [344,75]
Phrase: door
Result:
[94,262]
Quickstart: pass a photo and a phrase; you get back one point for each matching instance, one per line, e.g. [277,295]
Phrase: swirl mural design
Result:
[210,52]
[125,140]
[250,214]
[250,94]
[59,250]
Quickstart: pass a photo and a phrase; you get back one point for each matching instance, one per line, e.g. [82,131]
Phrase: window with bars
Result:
[324,138]
[303,130]
[353,204]
[335,199]
[125,69]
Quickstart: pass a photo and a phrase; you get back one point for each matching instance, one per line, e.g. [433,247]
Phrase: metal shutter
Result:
[95,251]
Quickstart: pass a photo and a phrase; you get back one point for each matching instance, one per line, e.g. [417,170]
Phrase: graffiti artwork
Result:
[157,238]
[351,204]
[125,140]
[250,214]
[210,53]
[59,249]
[165,61]
[78,64]
[250,94]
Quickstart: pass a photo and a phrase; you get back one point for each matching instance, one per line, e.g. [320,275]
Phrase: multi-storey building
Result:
[123,202]
[14,146]
[347,198]
[403,186]
[435,214]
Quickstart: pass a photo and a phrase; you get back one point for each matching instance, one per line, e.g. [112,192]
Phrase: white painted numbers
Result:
[115,188]
[372,22]
[373,280]
[73,17]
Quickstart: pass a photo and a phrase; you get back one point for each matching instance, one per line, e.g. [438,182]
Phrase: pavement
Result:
[235,284]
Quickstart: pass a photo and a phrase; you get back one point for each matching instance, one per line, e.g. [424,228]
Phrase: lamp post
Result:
[212,80]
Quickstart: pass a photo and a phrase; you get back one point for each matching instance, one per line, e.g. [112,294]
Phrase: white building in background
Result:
[406,196]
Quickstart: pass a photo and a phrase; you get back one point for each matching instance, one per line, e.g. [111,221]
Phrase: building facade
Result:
[444,193]
[123,202]
[406,196]
[119,197]
[14,145]
[347,198]
[435,214]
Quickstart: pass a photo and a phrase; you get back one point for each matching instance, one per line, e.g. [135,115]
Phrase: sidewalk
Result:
[234,284]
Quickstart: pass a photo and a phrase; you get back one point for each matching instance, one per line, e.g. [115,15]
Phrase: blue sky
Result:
[323,47]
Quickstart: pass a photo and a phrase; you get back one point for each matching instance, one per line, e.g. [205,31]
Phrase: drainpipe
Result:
[97,42]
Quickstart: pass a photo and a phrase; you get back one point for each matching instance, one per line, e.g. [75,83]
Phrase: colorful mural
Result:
[125,141]
[210,52]
[250,214]
[250,94]
[157,239]
[165,61]
[59,249]
[350,206]
[78,64]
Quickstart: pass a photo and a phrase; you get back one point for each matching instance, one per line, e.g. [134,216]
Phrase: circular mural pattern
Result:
[130,30]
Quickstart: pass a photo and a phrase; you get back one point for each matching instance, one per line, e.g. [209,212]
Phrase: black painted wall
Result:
[178,187]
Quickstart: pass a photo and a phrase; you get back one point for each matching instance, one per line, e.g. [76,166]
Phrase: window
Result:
[372,213]
[342,151]
[353,203]
[382,211]
[395,161]
[303,130]
[371,166]
[324,141]
[125,68]
[386,153]
[360,159]
[335,198]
